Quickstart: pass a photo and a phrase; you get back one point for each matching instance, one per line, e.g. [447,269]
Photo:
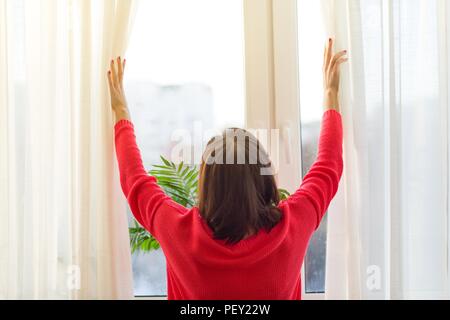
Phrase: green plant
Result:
[180,182]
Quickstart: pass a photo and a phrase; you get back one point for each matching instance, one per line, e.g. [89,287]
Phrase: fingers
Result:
[116,73]
[113,73]
[120,69]
[338,57]
[124,64]
[329,53]
[110,81]
[330,59]
[339,62]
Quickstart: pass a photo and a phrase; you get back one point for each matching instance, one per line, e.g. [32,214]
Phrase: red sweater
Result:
[264,266]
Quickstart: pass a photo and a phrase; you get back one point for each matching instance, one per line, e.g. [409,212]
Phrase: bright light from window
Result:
[185,67]
[312,39]
[175,42]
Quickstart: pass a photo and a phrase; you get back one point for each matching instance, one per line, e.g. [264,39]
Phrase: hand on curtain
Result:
[331,71]
[116,89]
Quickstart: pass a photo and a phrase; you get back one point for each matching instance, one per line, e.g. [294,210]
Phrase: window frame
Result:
[272,88]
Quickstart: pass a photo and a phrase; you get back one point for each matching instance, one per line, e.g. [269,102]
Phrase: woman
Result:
[240,242]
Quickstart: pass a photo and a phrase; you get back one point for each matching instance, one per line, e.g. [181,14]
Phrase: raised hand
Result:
[115,80]
[331,75]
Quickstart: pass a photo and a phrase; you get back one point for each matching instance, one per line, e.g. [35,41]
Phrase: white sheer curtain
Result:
[63,228]
[389,225]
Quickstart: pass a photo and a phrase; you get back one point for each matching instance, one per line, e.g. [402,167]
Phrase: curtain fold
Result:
[63,225]
[388,226]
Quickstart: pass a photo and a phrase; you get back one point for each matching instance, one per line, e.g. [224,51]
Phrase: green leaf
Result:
[284,194]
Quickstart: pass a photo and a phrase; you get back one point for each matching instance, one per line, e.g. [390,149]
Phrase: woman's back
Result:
[263,266]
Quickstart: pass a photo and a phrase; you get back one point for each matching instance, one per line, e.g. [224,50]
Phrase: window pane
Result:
[311,45]
[185,71]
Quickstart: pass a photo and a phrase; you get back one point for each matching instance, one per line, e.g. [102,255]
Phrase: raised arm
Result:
[321,183]
[144,195]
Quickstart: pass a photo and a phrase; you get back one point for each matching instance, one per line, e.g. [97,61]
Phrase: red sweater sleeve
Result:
[320,185]
[144,195]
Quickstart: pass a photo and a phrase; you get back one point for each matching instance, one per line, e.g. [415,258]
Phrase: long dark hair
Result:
[238,194]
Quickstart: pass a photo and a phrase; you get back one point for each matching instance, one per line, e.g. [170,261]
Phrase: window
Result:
[311,45]
[185,69]
[176,79]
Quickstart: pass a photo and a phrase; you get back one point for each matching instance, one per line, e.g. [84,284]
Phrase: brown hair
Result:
[238,194]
